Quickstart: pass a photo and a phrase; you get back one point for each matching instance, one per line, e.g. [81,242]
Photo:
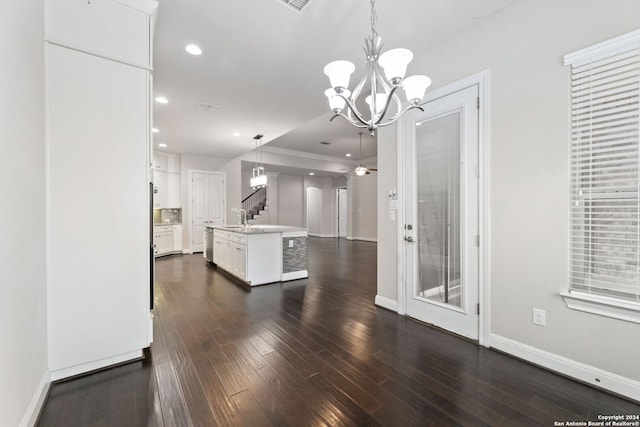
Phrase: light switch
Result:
[392,215]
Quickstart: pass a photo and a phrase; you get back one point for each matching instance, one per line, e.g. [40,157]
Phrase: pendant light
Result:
[360,170]
[258,178]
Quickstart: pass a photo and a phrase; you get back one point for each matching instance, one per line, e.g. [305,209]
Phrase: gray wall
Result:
[523,47]
[22,212]
[362,198]
[291,200]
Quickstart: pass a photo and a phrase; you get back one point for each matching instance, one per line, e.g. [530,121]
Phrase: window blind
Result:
[605,173]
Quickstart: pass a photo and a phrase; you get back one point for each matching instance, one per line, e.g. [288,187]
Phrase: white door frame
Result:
[190,202]
[480,79]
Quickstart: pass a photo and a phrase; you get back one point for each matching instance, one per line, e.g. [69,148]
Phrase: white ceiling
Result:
[262,64]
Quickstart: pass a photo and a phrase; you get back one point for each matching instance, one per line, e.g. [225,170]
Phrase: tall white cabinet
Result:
[98,91]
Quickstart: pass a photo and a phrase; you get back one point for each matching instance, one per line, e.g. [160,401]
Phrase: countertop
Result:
[257,229]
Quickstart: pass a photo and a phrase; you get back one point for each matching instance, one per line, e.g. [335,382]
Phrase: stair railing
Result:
[255,202]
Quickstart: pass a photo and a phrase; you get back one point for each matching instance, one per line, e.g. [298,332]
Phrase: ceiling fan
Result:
[361,170]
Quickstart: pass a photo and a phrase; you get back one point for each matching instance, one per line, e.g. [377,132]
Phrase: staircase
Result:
[255,203]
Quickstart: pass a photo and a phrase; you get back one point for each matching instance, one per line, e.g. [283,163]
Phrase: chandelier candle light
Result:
[383,85]
[258,179]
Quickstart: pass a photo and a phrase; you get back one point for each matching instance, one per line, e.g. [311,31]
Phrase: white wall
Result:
[325,215]
[363,199]
[529,168]
[291,200]
[22,212]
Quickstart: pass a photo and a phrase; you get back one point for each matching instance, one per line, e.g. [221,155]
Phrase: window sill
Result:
[603,306]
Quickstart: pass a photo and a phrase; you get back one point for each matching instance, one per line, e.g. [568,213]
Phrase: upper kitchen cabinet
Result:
[114,29]
[166,180]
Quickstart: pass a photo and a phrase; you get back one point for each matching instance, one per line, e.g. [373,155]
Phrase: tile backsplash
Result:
[167,216]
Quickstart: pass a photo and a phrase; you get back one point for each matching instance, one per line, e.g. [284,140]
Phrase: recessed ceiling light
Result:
[236,134]
[193,49]
[155,130]
[311,173]
[348,154]
[162,145]
[162,100]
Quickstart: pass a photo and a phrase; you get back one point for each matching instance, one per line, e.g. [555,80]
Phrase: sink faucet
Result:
[243,217]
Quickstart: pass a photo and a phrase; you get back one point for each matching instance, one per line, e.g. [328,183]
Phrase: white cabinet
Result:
[177,238]
[253,258]
[173,191]
[168,239]
[97,112]
[166,181]
[163,239]
[88,26]
[160,189]
[239,260]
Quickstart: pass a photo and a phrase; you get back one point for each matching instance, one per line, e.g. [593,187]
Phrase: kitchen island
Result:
[259,254]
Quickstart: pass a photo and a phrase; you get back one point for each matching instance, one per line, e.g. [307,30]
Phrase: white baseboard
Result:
[95,365]
[187,252]
[322,235]
[366,239]
[37,402]
[387,303]
[294,275]
[580,371]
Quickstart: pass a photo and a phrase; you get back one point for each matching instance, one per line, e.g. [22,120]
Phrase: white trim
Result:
[187,252]
[37,402]
[366,239]
[602,47]
[602,305]
[322,235]
[482,80]
[314,156]
[96,364]
[580,371]
[294,275]
[387,303]
[146,6]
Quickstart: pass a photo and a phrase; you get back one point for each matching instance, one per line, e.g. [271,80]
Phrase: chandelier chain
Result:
[374,17]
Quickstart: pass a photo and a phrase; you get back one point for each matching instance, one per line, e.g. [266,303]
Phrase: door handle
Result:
[409,239]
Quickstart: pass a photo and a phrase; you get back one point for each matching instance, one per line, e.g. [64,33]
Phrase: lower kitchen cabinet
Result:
[168,239]
[177,238]
[253,258]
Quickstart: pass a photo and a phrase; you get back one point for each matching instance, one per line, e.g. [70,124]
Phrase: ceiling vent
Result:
[208,107]
[297,5]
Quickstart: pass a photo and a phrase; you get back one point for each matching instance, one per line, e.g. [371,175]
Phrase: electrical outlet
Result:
[290,243]
[539,317]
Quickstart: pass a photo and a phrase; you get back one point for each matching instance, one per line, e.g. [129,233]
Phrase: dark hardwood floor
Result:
[313,352]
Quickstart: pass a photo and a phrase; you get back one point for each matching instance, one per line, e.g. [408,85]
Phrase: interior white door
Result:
[342,212]
[208,205]
[441,213]
[216,203]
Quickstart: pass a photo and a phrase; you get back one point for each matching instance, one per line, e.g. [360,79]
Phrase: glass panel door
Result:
[438,209]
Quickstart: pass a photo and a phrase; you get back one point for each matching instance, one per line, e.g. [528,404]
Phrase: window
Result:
[604,270]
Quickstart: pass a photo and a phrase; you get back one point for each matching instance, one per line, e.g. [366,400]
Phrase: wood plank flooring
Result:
[313,352]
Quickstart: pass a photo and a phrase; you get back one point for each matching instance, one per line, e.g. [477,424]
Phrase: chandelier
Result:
[383,85]
[258,178]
